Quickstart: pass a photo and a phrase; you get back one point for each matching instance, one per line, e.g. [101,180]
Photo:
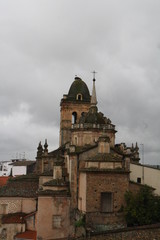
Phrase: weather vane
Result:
[94,74]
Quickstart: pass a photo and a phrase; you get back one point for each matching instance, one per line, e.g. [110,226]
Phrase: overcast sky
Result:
[44,44]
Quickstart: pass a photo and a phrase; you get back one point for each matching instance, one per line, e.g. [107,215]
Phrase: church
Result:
[78,187]
[85,179]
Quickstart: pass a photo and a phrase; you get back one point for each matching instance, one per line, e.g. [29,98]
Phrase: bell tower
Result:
[72,107]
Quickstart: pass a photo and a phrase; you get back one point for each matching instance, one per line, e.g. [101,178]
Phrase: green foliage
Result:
[80,222]
[142,208]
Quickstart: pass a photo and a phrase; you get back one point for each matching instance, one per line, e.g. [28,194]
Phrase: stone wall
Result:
[151,232]
[12,205]
[98,182]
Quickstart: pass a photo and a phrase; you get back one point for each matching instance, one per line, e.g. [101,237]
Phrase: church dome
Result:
[79,91]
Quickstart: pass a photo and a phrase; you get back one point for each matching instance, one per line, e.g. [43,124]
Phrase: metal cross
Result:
[94,74]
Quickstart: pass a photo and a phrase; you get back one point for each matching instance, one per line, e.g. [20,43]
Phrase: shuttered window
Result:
[56,221]
[106,202]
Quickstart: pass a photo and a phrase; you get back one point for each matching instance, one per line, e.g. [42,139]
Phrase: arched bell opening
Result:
[74,117]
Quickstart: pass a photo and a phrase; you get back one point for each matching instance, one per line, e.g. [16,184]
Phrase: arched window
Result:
[74,117]
[79,96]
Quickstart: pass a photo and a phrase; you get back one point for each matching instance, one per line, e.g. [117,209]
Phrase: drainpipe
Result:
[77,178]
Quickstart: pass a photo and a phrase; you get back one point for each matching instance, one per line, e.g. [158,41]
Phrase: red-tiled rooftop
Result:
[27,235]
[13,218]
[3,181]
[23,186]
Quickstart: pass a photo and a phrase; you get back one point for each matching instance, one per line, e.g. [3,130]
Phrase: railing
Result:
[90,125]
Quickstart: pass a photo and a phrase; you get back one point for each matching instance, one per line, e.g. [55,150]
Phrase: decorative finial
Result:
[46,146]
[94,98]
[40,149]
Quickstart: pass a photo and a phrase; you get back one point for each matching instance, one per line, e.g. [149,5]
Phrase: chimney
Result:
[103,144]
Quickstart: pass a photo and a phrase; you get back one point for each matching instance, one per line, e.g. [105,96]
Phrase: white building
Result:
[145,175]
[16,167]
[5,168]
[22,167]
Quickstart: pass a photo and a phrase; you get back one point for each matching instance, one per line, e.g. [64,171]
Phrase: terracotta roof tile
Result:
[13,218]
[27,235]
[26,186]
[3,181]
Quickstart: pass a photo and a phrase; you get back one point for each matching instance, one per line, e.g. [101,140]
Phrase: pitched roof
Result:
[27,235]
[23,163]
[22,186]
[13,218]
[106,157]
[60,193]
[100,170]
[85,148]
[56,182]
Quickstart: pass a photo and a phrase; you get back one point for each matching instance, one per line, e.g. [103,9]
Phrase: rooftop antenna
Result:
[23,155]
[142,145]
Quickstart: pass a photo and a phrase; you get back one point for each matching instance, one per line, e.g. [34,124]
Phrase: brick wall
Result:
[97,182]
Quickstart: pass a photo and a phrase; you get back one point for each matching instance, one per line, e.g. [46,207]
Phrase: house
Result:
[5,168]
[145,174]
[16,167]
[22,167]
[18,206]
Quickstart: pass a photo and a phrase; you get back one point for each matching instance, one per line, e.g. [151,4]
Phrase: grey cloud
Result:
[44,45]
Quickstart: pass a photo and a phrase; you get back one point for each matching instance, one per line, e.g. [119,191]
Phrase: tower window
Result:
[74,117]
[79,96]
[76,140]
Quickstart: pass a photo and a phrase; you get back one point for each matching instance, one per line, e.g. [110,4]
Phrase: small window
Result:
[4,208]
[56,221]
[4,233]
[79,96]
[107,202]
[138,180]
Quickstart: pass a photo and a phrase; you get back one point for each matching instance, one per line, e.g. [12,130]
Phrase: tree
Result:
[142,208]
